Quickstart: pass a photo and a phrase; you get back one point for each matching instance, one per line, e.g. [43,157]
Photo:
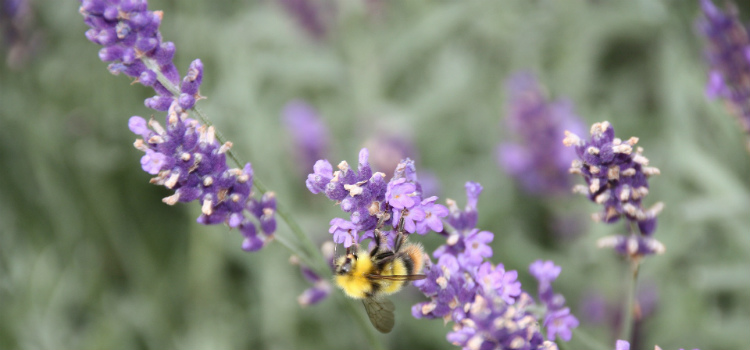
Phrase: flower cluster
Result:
[320,288]
[370,200]
[309,133]
[130,35]
[625,345]
[484,301]
[616,175]
[537,160]
[558,319]
[185,156]
[728,55]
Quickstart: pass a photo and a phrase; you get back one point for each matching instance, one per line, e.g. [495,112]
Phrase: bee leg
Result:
[378,241]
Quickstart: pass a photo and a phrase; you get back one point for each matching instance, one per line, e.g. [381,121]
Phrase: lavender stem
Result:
[627,314]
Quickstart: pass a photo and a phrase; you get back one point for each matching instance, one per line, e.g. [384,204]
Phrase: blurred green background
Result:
[90,258]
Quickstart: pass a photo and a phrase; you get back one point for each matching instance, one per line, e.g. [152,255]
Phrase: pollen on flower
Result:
[623,149]
[571,139]
[613,172]
[427,308]
[140,145]
[225,147]
[580,189]
[594,186]
[171,200]
[207,207]
[156,139]
[602,198]
[598,129]
[649,171]
[354,189]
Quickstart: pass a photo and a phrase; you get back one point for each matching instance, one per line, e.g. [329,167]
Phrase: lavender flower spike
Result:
[537,160]
[727,44]
[130,35]
[483,300]
[616,177]
[558,320]
[186,157]
[320,289]
[309,132]
[370,200]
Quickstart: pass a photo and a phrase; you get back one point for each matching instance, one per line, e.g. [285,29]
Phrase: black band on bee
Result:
[375,289]
[409,265]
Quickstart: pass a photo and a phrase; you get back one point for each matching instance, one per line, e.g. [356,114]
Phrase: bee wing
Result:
[396,277]
[380,311]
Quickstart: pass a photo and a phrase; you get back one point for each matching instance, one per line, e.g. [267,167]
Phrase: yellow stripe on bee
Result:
[395,268]
[356,285]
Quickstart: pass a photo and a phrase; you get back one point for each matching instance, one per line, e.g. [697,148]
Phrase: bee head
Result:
[345,264]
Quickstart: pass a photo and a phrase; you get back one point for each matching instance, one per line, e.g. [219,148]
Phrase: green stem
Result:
[304,247]
[627,313]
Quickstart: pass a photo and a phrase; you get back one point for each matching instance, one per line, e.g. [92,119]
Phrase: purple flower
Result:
[344,232]
[321,177]
[152,162]
[187,158]
[465,219]
[433,214]
[185,155]
[544,271]
[616,176]
[371,201]
[133,44]
[493,324]
[309,132]
[476,248]
[496,279]
[727,51]
[486,303]
[560,323]
[412,219]
[622,345]
[557,319]
[632,245]
[537,159]
[401,194]
[320,289]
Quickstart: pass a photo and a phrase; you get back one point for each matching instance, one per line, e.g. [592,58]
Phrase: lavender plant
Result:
[308,131]
[537,160]
[483,300]
[186,155]
[617,178]
[728,54]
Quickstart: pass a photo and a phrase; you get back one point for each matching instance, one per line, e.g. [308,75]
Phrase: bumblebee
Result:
[370,276]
